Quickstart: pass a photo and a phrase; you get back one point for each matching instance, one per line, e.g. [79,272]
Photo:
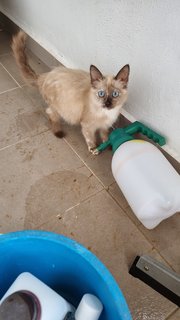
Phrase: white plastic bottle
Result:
[148,181]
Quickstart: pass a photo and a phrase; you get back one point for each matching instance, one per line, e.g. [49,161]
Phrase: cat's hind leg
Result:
[55,122]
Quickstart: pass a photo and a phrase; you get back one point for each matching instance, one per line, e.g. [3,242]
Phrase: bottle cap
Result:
[90,308]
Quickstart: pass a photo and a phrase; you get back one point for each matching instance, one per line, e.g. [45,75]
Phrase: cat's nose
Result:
[108,103]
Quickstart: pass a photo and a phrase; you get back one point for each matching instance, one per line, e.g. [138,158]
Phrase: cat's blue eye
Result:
[101,93]
[115,94]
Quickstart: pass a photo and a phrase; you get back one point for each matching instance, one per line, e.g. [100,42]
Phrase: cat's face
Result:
[110,92]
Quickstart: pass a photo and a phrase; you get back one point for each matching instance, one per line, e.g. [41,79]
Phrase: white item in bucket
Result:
[90,308]
[50,304]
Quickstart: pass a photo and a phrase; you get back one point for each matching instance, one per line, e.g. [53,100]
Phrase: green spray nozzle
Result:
[121,135]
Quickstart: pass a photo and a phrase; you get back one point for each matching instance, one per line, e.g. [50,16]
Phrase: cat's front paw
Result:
[94,151]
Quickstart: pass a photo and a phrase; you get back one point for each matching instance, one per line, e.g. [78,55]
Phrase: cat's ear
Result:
[123,74]
[95,74]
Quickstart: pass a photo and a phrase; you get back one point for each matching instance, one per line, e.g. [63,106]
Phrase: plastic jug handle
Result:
[138,127]
[121,135]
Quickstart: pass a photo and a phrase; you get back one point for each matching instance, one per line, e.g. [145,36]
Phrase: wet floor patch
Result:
[54,194]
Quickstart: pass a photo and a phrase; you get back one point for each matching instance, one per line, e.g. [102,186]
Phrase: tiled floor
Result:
[57,185]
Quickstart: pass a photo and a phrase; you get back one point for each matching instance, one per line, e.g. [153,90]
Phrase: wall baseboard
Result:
[10,27]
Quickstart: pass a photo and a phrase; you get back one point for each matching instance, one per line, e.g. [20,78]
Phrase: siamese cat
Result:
[87,98]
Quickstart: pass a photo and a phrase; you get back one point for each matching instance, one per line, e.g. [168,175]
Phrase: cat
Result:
[87,98]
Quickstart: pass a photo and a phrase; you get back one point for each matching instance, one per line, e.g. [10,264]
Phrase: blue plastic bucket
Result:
[64,265]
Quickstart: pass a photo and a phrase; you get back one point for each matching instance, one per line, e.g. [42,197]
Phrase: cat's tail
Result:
[19,48]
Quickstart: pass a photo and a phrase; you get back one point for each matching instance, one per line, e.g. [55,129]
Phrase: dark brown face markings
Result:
[114,88]
[108,103]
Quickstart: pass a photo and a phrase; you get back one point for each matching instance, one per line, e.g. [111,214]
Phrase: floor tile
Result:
[100,165]
[116,193]
[19,118]
[37,65]
[5,41]
[35,167]
[132,216]
[42,54]
[175,316]
[6,82]
[8,62]
[165,238]
[101,225]
[34,95]
[55,194]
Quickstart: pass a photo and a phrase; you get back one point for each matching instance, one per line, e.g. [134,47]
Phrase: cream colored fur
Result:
[73,95]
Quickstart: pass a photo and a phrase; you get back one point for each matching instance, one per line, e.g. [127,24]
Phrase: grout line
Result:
[172,313]
[9,90]
[4,54]
[22,140]
[69,209]
[13,144]
[10,75]
[160,254]
[111,184]
[82,201]
[125,213]
[85,163]
[64,212]
[153,247]
[124,209]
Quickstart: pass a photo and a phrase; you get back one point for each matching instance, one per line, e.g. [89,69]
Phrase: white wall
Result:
[111,33]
